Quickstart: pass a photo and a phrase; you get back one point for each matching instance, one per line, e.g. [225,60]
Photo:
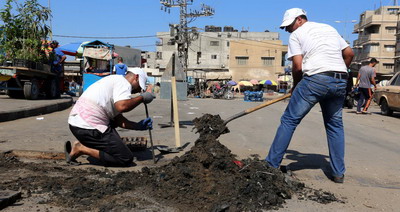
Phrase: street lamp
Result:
[345,23]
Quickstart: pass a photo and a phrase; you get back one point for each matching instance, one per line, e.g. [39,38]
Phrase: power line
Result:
[105,37]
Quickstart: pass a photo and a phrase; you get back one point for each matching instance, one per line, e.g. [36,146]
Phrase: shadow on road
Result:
[309,161]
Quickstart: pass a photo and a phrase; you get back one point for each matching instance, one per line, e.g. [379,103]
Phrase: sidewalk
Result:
[11,109]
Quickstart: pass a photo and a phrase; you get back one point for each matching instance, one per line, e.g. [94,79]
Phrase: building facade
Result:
[376,38]
[251,59]
[217,53]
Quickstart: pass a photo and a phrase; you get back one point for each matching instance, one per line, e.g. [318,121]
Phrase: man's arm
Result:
[373,79]
[297,70]
[347,55]
[123,122]
[123,106]
[358,79]
[62,59]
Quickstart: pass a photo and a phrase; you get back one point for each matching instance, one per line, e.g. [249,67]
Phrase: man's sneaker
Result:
[338,179]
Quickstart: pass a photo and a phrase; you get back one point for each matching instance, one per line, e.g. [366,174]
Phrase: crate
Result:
[39,66]
[135,143]
[6,63]
[253,96]
[24,63]
[46,67]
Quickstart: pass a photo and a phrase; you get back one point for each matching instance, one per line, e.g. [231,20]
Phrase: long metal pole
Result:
[51,25]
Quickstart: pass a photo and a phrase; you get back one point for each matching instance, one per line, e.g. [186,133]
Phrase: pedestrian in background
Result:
[320,58]
[120,68]
[57,58]
[365,81]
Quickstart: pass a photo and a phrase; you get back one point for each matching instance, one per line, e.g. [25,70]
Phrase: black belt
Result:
[337,75]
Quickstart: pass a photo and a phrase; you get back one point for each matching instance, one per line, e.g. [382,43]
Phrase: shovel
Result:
[250,110]
[151,137]
[166,150]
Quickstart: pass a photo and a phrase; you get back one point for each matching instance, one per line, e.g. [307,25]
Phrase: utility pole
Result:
[181,31]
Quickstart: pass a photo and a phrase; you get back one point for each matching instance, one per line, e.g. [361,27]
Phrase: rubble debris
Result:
[206,178]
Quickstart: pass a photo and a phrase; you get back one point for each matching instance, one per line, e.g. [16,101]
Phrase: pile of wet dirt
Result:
[206,178]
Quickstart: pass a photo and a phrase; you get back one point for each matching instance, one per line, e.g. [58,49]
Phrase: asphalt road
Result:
[372,146]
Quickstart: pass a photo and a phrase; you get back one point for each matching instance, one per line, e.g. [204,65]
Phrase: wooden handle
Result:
[250,110]
[267,103]
[176,114]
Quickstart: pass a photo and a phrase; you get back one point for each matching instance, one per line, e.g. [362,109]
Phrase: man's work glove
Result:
[145,124]
[147,97]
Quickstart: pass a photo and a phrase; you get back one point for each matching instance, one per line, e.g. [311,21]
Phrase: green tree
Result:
[23,29]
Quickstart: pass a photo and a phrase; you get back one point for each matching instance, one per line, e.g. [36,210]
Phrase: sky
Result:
[132,18]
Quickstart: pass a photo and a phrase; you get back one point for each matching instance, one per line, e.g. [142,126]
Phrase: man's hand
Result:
[145,124]
[147,97]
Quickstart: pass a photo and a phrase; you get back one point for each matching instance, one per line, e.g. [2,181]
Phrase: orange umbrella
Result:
[245,83]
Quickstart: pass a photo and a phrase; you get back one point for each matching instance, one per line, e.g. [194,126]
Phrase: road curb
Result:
[36,110]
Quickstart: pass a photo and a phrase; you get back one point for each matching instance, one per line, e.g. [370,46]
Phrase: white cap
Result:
[291,15]
[142,76]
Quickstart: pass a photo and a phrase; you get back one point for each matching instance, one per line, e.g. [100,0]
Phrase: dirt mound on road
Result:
[206,178]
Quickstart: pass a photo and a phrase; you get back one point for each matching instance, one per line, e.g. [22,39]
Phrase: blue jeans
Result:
[329,92]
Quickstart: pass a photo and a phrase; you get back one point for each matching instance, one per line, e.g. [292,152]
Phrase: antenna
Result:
[181,31]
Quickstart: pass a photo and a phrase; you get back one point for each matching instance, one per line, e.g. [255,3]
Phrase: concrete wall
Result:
[131,56]
[255,67]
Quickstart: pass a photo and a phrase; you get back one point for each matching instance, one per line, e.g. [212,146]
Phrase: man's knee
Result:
[126,159]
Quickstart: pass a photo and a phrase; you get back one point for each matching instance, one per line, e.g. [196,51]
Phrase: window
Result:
[242,60]
[396,81]
[148,56]
[214,43]
[198,57]
[268,61]
[390,48]
[227,43]
[390,30]
[392,11]
[214,56]
[371,48]
[159,55]
[388,66]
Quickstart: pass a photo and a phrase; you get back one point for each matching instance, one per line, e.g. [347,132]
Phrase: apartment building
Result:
[226,53]
[376,38]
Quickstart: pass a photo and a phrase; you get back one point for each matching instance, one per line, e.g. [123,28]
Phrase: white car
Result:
[388,96]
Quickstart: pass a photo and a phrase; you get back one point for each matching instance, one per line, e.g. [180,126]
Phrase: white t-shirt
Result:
[321,47]
[102,94]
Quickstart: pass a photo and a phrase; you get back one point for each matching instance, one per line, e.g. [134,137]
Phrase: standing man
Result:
[366,78]
[320,60]
[57,59]
[120,68]
[98,112]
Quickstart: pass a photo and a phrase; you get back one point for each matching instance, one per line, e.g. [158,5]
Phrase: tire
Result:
[350,103]
[228,95]
[385,110]
[31,89]
[51,89]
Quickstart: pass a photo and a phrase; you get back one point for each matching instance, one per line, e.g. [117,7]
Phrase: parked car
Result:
[388,96]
